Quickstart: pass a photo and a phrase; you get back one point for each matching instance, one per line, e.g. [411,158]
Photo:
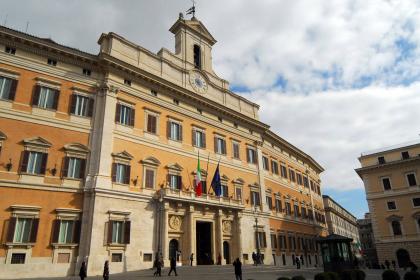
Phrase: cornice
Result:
[364,170]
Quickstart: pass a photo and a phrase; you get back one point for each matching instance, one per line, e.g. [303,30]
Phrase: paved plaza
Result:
[221,273]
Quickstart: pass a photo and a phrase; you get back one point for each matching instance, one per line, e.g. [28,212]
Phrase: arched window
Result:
[197,56]
[396,228]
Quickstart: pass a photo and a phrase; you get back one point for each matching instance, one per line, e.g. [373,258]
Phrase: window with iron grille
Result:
[18,258]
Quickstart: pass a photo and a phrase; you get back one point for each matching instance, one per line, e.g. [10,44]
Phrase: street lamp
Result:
[256,234]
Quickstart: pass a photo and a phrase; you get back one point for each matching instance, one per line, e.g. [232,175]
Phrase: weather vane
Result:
[192,9]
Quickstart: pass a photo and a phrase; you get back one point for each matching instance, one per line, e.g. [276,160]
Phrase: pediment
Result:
[123,155]
[151,161]
[394,218]
[203,172]
[254,185]
[37,141]
[194,25]
[76,147]
[238,181]
[174,166]
[224,178]
[2,136]
[416,215]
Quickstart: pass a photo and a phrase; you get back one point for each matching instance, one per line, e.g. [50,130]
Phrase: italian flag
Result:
[198,186]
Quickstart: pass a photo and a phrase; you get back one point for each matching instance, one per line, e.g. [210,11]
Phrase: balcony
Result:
[204,199]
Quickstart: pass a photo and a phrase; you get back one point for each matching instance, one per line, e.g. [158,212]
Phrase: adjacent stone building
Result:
[98,155]
[367,241]
[390,176]
[341,222]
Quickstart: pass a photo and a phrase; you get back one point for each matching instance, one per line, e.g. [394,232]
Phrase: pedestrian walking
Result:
[254,258]
[173,267]
[106,271]
[387,264]
[158,265]
[297,263]
[83,271]
[219,259]
[238,269]
[191,259]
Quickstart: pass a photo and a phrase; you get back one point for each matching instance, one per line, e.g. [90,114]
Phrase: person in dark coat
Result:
[238,269]
[173,267]
[158,265]
[191,258]
[219,259]
[254,258]
[83,271]
[297,263]
[106,271]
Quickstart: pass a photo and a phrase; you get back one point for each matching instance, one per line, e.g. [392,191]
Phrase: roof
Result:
[334,237]
[409,144]
[195,26]
[330,198]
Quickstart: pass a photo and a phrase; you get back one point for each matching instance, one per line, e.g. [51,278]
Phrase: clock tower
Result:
[193,44]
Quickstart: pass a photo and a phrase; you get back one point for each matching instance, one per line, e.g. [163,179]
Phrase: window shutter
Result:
[224,147]
[44,163]
[82,169]
[194,138]
[73,103]
[252,198]
[109,237]
[12,91]
[168,179]
[179,182]
[35,96]
[149,178]
[204,139]
[65,167]
[247,155]
[118,113]
[90,107]
[168,129]
[24,164]
[77,231]
[34,230]
[127,230]
[132,116]
[180,132]
[56,96]
[114,172]
[215,144]
[56,231]
[11,229]
[127,174]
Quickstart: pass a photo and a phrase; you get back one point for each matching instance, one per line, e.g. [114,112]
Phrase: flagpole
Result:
[207,173]
[189,179]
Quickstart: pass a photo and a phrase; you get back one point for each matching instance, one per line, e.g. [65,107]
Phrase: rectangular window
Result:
[52,62]
[199,138]
[292,175]
[174,131]
[274,167]
[7,88]
[225,191]
[149,181]
[255,198]
[127,82]
[10,50]
[381,160]
[269,201]
[265,163]
[74,167]
[405,155]
[288,208]
[391,205]
[304,216]
[66,232]
[305,182]
[147,257]
[260,238]
[153,92]
[238,193]
[116,257]
[219,145]
[283,171]
[22,230]
[296,210]
[151,124]
[411,179]
[251,155]
[124,115]
[273,241]
[87,72]
[117,232]
[235,150]
[416,201]
[175,182]
[81,106]
[299,179]
[18,258]
[386,182]
[34,162]
[45,98]
[278,205]
[121,173]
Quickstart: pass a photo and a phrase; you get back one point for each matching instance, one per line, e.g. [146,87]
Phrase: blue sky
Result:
[334,78]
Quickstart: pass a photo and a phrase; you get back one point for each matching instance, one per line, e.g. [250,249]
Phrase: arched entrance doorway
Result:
[226,252]
[173,248]
[403,258]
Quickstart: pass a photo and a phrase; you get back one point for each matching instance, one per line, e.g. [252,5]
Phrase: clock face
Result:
[198,82]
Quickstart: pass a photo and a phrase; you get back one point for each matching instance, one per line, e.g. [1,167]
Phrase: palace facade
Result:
[391,179]
[98,155]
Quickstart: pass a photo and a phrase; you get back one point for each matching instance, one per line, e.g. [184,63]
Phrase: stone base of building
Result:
[398,252]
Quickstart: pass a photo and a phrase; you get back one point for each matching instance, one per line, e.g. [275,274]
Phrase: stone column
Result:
[191,234]
[219,235]
[261,182]
[238,237]
[164,235]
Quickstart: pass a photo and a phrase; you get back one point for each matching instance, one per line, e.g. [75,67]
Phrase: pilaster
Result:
[261,181]
[219,235]
[191,233]
[165,239]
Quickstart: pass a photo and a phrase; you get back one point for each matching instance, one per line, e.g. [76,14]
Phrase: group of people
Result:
[257,258]
[83,271]
[410,265]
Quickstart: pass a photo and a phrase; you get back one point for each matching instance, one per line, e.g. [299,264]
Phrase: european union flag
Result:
[216,184]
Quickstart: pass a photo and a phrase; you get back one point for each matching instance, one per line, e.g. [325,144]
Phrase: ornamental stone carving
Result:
[227,226]
[175,222]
